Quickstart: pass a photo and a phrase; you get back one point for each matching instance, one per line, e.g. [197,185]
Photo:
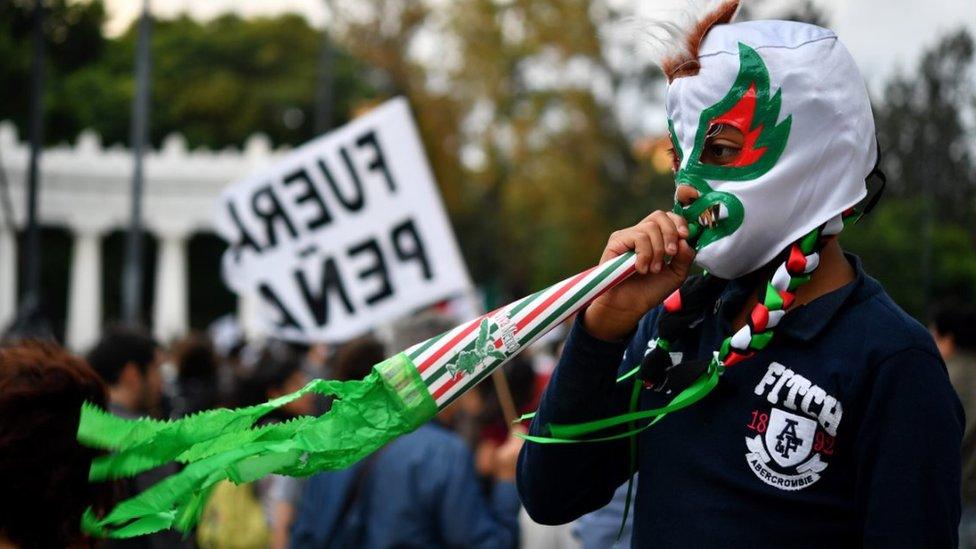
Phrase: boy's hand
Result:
[658,236]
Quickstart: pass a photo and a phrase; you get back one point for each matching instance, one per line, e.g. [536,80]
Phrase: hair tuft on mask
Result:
[674,44]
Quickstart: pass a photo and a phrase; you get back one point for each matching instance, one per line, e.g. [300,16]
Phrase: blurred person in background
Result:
[280,494]
[420,490]
[494,432]
[316,361]
[493,429]
[196,382]
[601,529]
[228,341]
[43,468]
[954,330]
[278,372]
[260,514]
[128,360]
[317,364]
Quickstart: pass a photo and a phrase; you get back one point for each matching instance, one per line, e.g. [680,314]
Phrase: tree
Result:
[889,244]
[73,39]
[921,124]
[528,152]
[216,82]
[920,241]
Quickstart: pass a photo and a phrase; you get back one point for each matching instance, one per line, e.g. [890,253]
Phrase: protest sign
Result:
[346,232]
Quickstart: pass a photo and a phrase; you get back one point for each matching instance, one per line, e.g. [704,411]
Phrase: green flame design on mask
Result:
[771,140]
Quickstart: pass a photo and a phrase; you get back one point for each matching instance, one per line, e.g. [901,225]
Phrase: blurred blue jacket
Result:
[420,490]
[600,529]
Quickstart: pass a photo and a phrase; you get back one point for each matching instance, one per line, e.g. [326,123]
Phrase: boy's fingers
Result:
[680,223]
[653,231]
[669,231]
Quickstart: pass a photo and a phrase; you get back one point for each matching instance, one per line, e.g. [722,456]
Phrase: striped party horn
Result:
[400,394]
[459,359]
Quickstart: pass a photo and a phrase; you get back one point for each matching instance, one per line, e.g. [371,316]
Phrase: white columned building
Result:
[171,300]
[85,289]
[86,189]
[8,274]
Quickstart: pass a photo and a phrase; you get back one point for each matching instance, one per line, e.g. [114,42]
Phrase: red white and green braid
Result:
[688,302]
[778,294]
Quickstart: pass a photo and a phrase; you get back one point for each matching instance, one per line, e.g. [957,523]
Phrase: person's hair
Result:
[43,468]
[195,358]
[958,321]
[356,358]
[271,371]
[521,384]
[118,347]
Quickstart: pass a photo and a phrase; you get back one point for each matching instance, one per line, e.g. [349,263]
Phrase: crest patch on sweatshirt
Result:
[793,438]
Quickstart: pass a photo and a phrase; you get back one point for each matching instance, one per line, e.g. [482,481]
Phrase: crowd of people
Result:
[450,483]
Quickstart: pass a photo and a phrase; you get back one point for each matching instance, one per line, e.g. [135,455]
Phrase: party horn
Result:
[399,395]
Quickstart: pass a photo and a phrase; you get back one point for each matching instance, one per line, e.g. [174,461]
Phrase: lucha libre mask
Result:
[797,97]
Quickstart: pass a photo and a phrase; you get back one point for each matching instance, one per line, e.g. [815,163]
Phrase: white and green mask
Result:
[797,97]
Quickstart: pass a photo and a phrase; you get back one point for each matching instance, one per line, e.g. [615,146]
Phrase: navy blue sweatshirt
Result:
[843,432]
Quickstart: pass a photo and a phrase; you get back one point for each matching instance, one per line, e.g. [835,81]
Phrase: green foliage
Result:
[216,82]
[73,40]
[920,240]
[891,243]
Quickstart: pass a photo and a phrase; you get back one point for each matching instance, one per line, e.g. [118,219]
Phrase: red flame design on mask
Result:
[740,117]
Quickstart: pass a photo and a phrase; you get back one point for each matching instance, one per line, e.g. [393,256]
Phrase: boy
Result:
[842,430]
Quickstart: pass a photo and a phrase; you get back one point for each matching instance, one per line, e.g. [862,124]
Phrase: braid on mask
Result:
[659,369]
[779,292]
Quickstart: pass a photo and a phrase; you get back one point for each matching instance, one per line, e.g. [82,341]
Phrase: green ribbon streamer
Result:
[632,444]
[226,444]
[572,434]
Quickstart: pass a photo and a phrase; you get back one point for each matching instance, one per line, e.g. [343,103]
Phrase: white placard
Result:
[346,232]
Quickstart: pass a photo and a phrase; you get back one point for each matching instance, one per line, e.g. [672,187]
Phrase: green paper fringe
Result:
[226,444]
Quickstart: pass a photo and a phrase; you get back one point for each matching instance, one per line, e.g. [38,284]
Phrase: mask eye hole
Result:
[723,145]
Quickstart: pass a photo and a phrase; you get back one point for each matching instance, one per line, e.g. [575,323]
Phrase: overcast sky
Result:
[883,35]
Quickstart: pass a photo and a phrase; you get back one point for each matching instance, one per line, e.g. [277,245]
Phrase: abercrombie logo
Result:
[789,449]
[787,440]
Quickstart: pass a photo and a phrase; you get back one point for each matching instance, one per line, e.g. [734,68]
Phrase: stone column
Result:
[84,321]
[8,277]
[171,297]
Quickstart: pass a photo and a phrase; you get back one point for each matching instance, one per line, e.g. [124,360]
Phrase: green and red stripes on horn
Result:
[440,383]
[532,317]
